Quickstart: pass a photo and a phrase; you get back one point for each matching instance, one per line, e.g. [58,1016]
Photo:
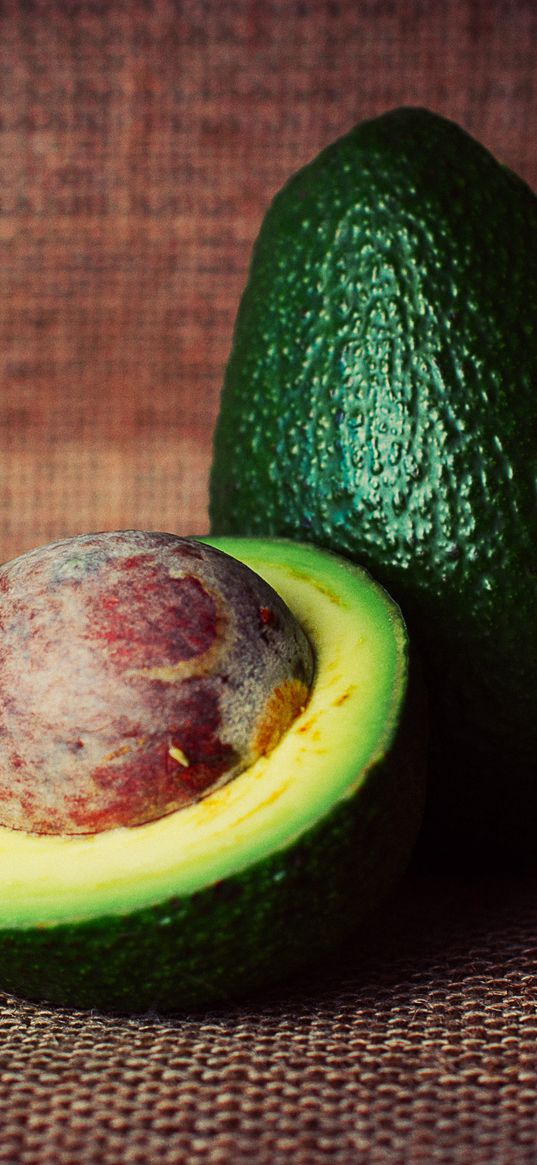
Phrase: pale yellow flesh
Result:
[359,641]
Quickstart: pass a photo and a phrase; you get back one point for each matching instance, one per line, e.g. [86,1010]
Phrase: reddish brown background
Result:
[140,144]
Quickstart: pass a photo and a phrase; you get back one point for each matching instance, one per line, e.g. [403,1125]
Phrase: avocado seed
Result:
[138,672]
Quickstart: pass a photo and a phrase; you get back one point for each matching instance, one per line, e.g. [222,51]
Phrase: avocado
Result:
[261,876]
[380,400]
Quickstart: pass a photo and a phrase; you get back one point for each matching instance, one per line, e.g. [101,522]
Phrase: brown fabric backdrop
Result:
[140,144]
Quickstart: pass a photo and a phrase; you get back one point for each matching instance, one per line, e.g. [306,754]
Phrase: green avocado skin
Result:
[381,400]
[258,928]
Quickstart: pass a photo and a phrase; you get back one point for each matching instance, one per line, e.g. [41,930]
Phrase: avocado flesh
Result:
[380,401]
[262,875]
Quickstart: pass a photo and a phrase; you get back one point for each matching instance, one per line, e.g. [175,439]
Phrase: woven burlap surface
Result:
[139,146]
[417,1045]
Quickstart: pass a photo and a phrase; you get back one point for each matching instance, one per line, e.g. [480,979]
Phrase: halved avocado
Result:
[262,876]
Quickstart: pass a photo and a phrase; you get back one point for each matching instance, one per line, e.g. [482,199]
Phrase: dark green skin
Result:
[381,400]
[258,927]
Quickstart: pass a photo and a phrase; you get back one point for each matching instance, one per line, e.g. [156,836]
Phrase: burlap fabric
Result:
[140,144]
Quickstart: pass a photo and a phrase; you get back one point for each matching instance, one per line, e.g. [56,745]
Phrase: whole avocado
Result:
[381,400]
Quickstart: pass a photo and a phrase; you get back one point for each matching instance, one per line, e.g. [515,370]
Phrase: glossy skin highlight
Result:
[137,672]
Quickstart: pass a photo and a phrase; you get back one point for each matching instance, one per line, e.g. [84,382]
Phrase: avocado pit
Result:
[138,672]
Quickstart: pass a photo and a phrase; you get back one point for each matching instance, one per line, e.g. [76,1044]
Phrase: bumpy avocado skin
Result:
[380,400]
[259,927]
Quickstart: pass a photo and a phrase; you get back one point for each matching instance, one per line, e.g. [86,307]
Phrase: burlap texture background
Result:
[140,144]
